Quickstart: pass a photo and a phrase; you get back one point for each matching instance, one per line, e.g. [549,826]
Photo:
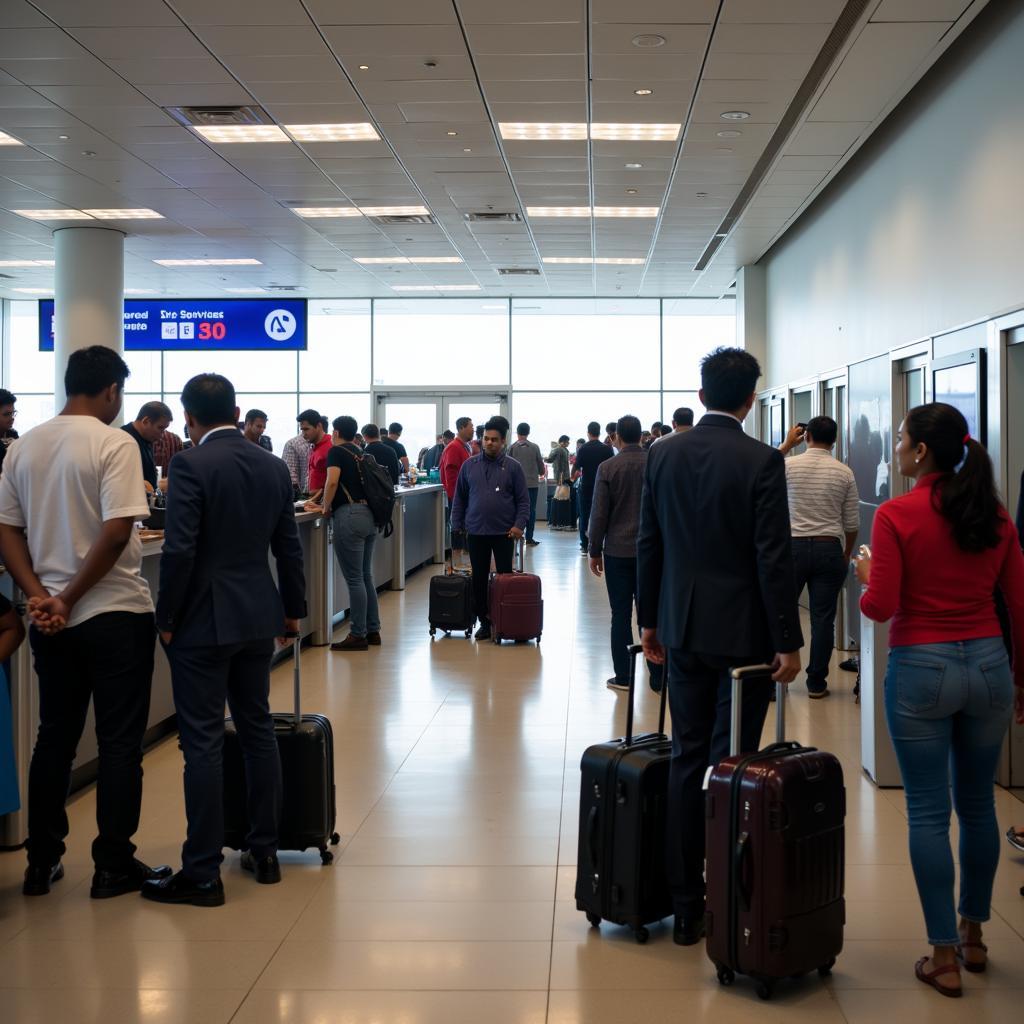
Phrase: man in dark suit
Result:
[218,612]
[715,590]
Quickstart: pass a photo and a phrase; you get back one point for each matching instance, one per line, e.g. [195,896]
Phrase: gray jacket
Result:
[615,514]
[527,454]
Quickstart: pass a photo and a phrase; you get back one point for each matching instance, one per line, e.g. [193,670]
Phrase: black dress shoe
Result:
[179,889]
[39,878]
[106,884]
[688,931]
[484,632]
[267,869]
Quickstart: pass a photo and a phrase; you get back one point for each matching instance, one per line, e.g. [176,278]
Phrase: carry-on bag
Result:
[308,810]
[561,517]
[451,605]
[775,856]
[515,603]
[620,875]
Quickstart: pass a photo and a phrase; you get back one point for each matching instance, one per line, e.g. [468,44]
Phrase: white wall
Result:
[924,229]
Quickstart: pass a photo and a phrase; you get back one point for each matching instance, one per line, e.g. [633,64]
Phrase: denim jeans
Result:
[532,525]
[586,501]
[822,567]
[354,538]
[620,579]
[948,707]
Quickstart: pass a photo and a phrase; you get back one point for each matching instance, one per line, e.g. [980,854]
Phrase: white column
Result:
[88,297]
[752,325]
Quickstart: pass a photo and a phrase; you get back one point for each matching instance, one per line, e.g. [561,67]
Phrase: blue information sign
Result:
[187,325]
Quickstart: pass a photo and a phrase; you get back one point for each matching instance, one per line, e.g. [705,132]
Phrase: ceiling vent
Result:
[494,217]
[519,271]
[284,287]
[414,218]
[219,116]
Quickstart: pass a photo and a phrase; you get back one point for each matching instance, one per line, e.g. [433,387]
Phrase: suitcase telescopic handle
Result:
[519,554]
[635,650]
[739,676]
[296,638]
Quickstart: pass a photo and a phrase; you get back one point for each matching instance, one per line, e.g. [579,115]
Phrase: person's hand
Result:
[542,477]
[597,565]
[653,651]
[793,438]
[163,485]
[1018,704]
[166,637]
[863,568]
[785,667]
[48,614]
[290,626]
[515,533]
[313,506]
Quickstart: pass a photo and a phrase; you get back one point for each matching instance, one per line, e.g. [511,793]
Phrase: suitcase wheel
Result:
[433,632]
[447,632]
[726,976]
[335,839]
[594,919]
[326,857]
[641,935]
[469,633]
[764,990]
[826,969]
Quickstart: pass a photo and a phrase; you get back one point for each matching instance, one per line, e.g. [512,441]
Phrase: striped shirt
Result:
[296,457]
[822,496]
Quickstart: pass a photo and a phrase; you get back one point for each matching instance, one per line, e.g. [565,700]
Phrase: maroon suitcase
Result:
[515,603]
[775,857]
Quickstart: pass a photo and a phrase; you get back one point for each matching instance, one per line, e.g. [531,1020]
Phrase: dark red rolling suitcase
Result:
[308,810]
[515,603]
[775,857]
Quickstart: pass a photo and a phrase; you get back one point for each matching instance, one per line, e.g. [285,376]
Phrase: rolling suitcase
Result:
[515,603]
[620,875]
[775,857]
[561,517]
[451,605]
[308,810]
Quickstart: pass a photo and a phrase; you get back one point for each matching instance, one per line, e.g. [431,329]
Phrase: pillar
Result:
[88,297]
[752,324]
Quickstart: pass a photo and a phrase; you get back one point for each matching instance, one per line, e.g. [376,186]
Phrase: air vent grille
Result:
[219,116]
[519,271]
[284,287]
[494,217]
[416,218]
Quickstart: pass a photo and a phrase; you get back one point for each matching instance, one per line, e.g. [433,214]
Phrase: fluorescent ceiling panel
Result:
[435,287]
[609,132]
[53,214]
[406,259]
[209,263]
[232,133]
[569,131]
[34,291]
[394,211]
[357,132]
[310,212]
[140,214]
[604,260]
[9,140]
[246,291]
[599,211]
[542,131]
[27,263]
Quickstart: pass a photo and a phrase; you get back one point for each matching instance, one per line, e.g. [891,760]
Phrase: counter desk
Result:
[417,539]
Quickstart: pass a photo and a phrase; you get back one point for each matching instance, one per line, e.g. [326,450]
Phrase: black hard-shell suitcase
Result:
[451,606]
[623,807]
[775,857]
[561,517]
[308,810]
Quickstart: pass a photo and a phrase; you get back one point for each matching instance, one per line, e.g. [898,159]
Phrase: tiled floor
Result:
[451,899]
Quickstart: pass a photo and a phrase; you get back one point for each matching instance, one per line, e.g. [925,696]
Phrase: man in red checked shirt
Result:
[452,458]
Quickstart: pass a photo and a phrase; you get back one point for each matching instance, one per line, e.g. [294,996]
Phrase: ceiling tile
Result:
[172,71]
[783,11]
[681,12]
[920,10]
[126,42]
[108,12]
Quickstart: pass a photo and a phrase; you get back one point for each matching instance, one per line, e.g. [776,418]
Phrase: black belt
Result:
[833,539]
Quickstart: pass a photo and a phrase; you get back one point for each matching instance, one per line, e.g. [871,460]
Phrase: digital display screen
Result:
[202,325]
[958,386]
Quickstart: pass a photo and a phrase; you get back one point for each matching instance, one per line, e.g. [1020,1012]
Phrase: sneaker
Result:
[850,665]
[532,543]
[817,694]
[351,643]
[373,638]
[617,684]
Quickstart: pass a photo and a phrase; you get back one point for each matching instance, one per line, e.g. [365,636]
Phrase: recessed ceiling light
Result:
[406,259]
[359,131]
[364,67]
[720,234]
[9,140]
[457,287]
[27,263]
[648,40]
[325,211]
[209,263]
[607,132]
[643,92]
[34,291]
[560,131]
[734,115]
[702,195]
[633,167]
[63,138]
[53,214]
[558,211]
[632,191]
[142,214]
[467,150]
[598,211]
[246,291]
[729,134]
[625,211]
[232,133]
[88,152]
[453,134]
[631,261]
[723,149]
[394,211]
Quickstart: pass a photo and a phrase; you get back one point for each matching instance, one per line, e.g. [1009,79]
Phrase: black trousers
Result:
[700,702]
[820,566]
[481,546]
[204,678]
[108,658]
[620,579]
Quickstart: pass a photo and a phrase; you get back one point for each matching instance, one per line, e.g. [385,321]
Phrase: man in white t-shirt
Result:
[70,494]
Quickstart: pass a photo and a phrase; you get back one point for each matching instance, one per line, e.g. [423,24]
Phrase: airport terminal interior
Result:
[417,211]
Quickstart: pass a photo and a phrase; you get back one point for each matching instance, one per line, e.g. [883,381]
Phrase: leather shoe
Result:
[106,884]
[688,931]
[351,643]
[373,639]
[266,869]
[39,878]
[179,889]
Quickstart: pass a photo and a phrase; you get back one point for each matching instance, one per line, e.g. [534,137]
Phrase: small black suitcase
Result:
[308,810]
[451,604]
[623,806]
[561,517]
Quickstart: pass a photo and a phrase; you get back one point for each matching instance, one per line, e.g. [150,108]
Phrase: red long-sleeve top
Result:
[452,458]
[934,591]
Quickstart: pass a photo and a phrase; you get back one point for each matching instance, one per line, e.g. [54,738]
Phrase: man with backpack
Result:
[359,496]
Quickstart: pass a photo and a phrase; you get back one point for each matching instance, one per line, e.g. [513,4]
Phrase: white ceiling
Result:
[99,72]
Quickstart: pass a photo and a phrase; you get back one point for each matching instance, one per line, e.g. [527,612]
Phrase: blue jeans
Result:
[821,566]
[948,707]
[354,538]
[532,491]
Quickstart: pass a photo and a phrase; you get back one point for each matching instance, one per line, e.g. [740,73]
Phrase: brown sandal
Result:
[928,977]
[974,966]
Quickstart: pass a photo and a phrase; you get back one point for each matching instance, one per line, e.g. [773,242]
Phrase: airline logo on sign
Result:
[280,325]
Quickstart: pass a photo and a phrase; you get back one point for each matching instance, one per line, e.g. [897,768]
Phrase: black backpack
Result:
[379,490]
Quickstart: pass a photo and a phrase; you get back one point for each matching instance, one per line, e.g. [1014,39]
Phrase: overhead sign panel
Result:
[202,325]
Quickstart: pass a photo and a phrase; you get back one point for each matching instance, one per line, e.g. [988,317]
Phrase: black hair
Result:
[310,416]
[93,369]
[565,438]
[498,423]
[610,428]
[479,431]
[966,497]
[255,414]
[822,430]
[324,424]
[209,398]
[371,431]
[6,398]
[629,429]
[395,428]
[594,428]
[462,421]
[728,377]
[448,435]
[657,425]
[523,430]
[683,417]
[153,411]
[346,426]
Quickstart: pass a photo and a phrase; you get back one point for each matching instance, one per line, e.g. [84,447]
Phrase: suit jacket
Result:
[715,568]
[228,501]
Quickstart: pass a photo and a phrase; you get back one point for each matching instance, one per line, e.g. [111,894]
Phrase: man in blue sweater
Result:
[492,503]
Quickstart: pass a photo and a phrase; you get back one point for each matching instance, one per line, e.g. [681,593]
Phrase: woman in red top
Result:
[939,555]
